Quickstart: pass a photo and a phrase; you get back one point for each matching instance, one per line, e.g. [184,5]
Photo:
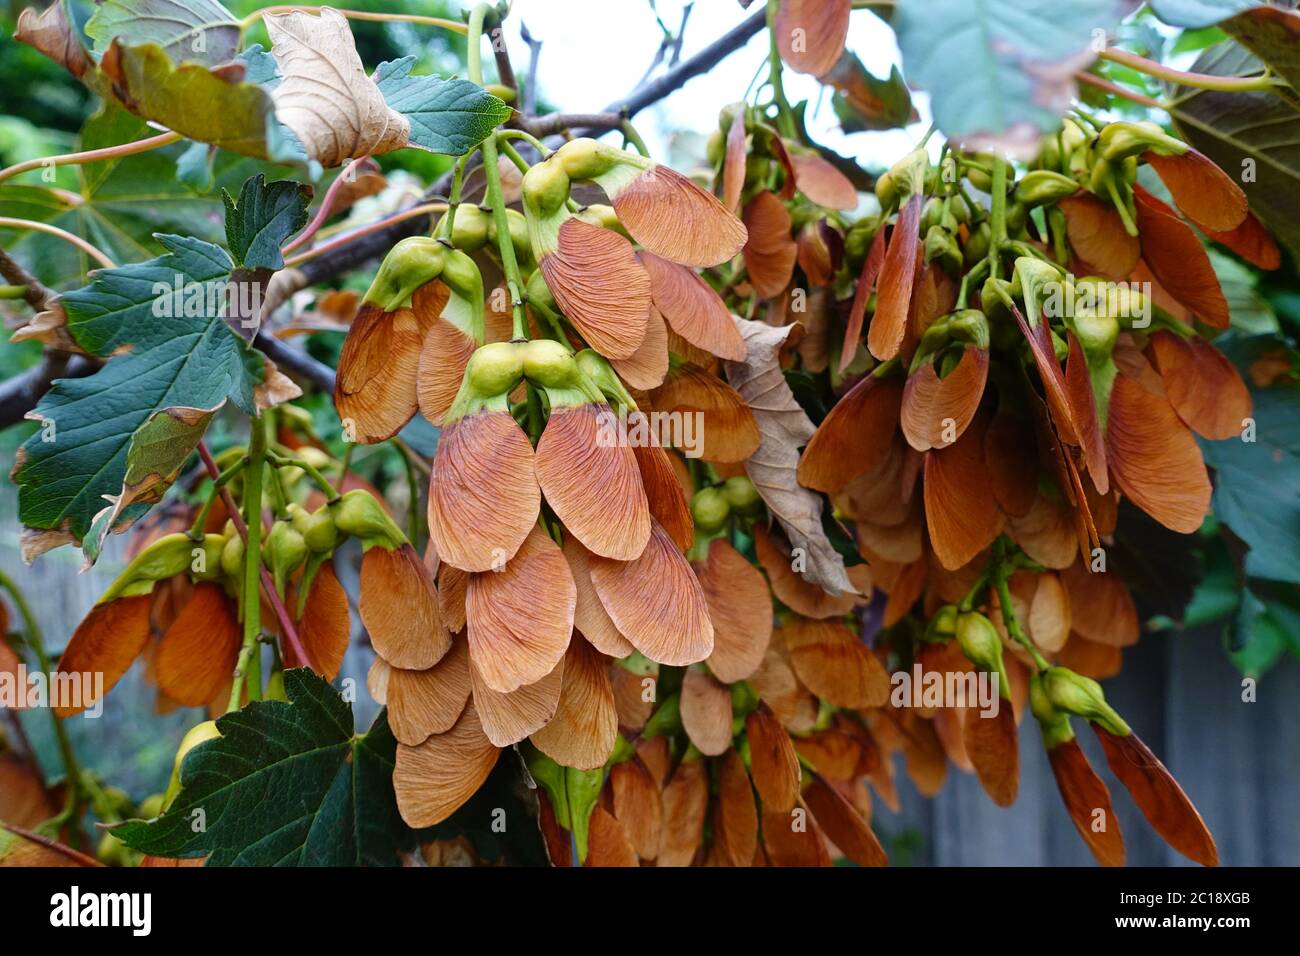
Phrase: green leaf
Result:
[286,784]
[264,217]
[447,116]
[1199,13]
[116,204]
[199,30]
[1255,485]
[999,72]
[1262,631]
[198,103]
[1240,131]
[161,322]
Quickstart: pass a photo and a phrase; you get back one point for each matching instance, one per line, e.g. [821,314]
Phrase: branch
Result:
[702,62]
[19,395]
[296,362]
[37,295]
[554,123]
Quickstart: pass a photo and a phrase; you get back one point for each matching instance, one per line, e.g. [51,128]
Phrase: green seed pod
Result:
[208,568]
[1041,186]
[977,244]
[585,158]
[979,641]
[599,214]
[550,364]
[358,513]
[167,557]
[198,734]
[715,150]
[275,687]
[299,516]
[596,369]
[285,550]
[959,208]
[470,229]
[941,246]
[495,369]
[111,851]
[931,214]
[545,186]
[857,241]
[993,295]
[1054,724]
[742,497]
[1083,697]
[1017,216]
[150,807]
[970,326]
[1096,333]
[1120,141]
[886,189]
[232,558]
[517,224]
[710,509]
[321,535]
[410,264]
[977,177]
[943,626]
[758,170]
[935,336]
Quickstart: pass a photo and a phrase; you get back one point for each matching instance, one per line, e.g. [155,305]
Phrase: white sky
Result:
[595,51]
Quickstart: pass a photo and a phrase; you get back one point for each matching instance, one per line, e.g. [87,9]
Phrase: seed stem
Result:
[248,670]
[784,115]
[999,219]
[1001,573]
[492,174]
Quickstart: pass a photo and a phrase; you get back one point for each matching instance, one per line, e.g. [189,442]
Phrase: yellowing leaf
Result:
[783,428]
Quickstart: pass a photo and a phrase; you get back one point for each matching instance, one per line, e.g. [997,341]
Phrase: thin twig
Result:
[534,55]
[553,124]
[327,204]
